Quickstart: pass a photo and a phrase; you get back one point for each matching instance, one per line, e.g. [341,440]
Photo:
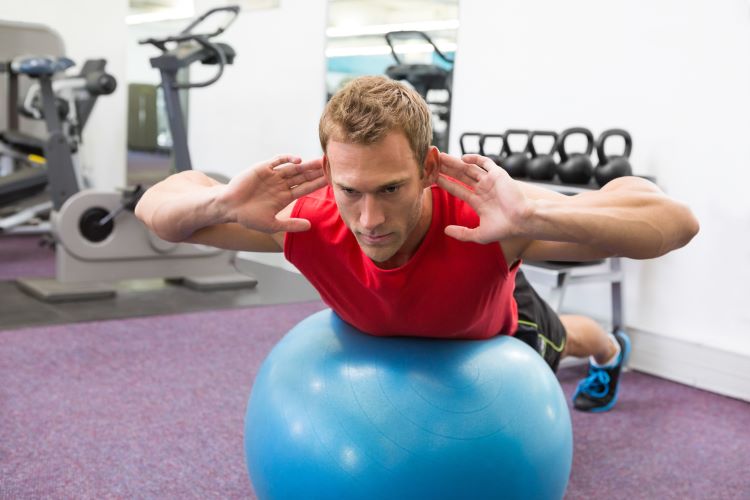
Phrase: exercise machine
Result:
[23,175]
[432,81]
[98,238]
[191,48]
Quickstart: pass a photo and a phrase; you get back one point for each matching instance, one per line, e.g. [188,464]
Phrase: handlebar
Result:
[389,39]
[187,33]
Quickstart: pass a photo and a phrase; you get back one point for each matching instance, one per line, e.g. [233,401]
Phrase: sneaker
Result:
[598,391]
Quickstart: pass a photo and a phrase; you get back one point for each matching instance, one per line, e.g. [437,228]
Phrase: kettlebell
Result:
[497,158]
[469,135]
[575,168]
[515,162]
[612,167]
[542,167]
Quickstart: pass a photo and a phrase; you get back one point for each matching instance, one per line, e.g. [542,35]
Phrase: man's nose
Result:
[372,215]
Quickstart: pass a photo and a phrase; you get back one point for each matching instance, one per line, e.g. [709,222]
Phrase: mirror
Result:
[172,52]
[410,40]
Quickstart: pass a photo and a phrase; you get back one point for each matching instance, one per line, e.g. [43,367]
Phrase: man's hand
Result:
[255,197]
[497,199]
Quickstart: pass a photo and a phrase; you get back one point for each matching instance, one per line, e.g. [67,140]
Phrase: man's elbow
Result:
[689,227]
[684,229]
[141,213]
[147,214]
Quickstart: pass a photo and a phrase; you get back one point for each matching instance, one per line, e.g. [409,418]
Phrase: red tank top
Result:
[447,289]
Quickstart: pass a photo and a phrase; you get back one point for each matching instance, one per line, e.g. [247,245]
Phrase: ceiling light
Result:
[382,29]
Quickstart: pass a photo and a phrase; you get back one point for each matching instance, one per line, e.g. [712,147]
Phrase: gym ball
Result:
[335,413]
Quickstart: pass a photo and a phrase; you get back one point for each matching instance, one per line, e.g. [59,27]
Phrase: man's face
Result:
[380,194]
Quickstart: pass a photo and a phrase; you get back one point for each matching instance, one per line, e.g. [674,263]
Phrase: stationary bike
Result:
[23,187]
[98,237]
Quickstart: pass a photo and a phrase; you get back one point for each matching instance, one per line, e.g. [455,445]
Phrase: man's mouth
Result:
[374,239]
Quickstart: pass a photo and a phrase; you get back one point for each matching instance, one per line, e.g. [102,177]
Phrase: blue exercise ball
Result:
[335,413]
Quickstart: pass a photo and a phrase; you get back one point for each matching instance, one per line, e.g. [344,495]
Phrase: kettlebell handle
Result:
[506,144]
[491,136]
[613,132]
[461,143]
[560,146]
[541,133]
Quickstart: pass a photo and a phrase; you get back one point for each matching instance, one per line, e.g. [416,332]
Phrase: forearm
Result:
[630,218]
[180,205]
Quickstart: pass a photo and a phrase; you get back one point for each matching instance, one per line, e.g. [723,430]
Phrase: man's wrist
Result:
[219,207]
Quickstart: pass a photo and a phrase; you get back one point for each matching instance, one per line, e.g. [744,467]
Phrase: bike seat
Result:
[36,66]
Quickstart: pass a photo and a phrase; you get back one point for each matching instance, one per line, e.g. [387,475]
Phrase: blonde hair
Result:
[369,107]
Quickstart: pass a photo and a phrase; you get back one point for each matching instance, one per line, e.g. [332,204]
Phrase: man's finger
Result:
[456,189]
[281,159]
[301,178]
[308,187]
[482,161]
[289,169]
[460,233]
[293,225]
[468,173]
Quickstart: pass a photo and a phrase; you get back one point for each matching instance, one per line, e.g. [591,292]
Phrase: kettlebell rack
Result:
[529,163]
[519,153]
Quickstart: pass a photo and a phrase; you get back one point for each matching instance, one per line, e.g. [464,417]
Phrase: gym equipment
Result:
[515,161]
[72,100]
[22,171]
[612,167]
[98,237]
[191,48]
[335,413]
[541,167]
[575,168]
[473,136]
[432,81]
[497,158]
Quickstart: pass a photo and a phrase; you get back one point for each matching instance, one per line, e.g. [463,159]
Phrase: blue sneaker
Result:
[598,391]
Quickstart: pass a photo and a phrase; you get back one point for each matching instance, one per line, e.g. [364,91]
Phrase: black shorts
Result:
[538,325]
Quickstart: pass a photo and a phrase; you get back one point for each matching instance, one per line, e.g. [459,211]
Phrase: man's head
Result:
[369,107]
[376,135]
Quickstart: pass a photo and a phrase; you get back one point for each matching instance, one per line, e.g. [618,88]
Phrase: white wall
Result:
[676,74]
[90,29]
[269,102]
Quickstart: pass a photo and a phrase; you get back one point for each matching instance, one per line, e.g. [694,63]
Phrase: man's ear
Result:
[431,166]
[326,168]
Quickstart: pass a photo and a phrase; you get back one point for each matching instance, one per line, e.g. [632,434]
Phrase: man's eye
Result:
[348,191]
[391,189]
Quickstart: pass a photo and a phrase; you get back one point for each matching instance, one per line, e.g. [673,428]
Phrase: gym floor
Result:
[144,396]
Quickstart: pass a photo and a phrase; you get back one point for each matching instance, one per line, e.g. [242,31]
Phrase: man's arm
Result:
[629,217]
[251,212]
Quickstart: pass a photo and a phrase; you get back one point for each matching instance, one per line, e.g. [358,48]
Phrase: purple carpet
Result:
[153,408]
[22,256]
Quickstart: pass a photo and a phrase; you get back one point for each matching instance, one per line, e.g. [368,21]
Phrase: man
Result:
[400,239]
